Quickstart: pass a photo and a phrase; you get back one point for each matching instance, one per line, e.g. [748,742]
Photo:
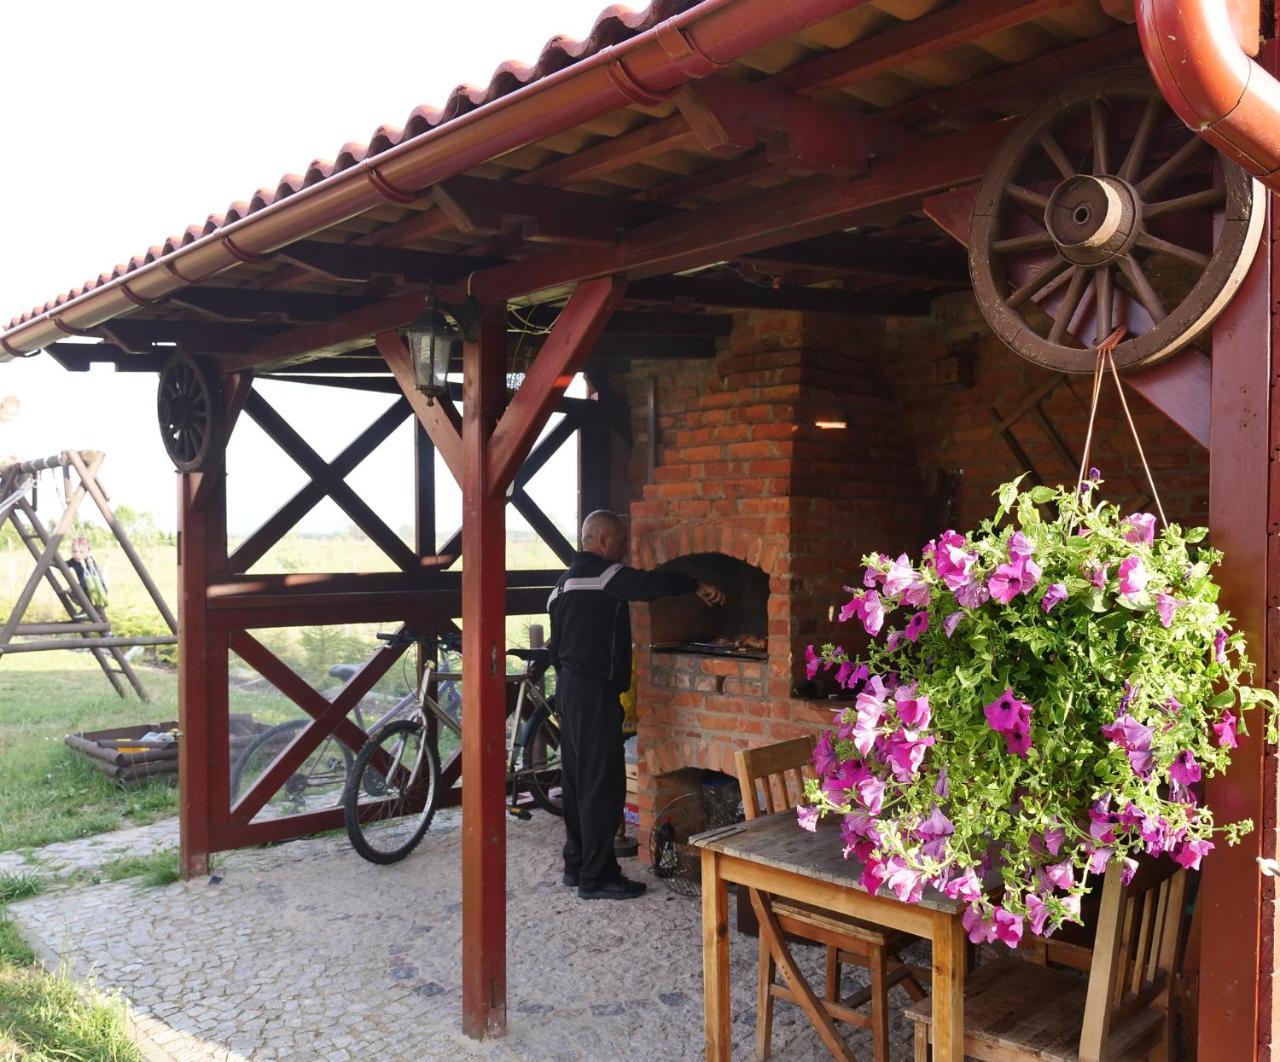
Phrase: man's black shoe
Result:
[618,889]
[570,878]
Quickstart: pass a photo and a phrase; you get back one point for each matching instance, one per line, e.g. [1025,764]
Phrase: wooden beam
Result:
[80,357]
[863,254]
[548,215]
[608,156]
[952,211]
[484,848]
[284,436]
[350,330]
[743,296]
[728,113]
[575,333]
[1238,908]
[1005,90]
[625,348]
[357,263]
[439,418]
[912,41]
[192,337]
[250,304]
[1179,388]
[542,525]
[806,208]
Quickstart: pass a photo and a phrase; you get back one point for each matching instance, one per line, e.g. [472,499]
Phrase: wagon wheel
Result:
[189,409]
[1103,209]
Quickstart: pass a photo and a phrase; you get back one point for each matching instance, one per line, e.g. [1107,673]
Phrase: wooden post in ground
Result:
[484,842]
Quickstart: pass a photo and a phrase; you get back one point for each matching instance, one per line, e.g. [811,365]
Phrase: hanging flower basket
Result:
[1041,698]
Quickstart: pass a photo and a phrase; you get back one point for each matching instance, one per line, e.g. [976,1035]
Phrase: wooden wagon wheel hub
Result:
[1091,219]
[1102,209]
[188,409]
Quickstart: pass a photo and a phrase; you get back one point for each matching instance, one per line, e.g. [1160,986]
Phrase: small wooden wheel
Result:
[1103,209]
[189,409]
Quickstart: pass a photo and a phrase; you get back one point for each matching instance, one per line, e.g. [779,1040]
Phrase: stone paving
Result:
[89,853]
[305,951]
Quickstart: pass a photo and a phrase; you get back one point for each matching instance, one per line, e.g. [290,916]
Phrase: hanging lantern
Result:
[432,342]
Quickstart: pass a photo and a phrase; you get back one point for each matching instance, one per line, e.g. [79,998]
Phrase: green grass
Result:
[156,869]
[46,1017]
[19,887]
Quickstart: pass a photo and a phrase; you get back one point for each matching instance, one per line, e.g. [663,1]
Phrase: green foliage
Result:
[156,869]
[19,887]
[1158,658]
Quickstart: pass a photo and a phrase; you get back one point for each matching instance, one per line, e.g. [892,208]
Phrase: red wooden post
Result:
[203,771]
[1231,960]
[484,839]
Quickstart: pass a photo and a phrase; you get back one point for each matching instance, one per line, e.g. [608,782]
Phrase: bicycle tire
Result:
[272,741]
[540,763]
[374,838]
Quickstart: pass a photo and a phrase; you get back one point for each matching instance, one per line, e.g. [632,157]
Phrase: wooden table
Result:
[772,854]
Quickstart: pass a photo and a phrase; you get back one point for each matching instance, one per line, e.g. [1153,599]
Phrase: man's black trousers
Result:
[593,775]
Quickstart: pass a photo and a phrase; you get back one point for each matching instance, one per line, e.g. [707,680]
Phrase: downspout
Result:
[1199,52]
[645,70]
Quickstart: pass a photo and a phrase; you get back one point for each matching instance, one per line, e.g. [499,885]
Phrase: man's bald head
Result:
[604,534]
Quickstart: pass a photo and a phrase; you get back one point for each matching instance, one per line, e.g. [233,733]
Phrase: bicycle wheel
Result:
[323,773]
[540,763]
[405,792]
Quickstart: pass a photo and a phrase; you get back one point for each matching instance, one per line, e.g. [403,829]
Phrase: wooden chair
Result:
[772,780]
[1016,1009]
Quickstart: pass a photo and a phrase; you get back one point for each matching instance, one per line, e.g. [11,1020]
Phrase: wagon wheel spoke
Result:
[1042,278]
[1104,301]
[1142,288]
[1174,250]
[1137,153]
[1168,169]
[1210,198]
[1098,126]
[1036,241]
[1070,303]
[1056,155]
[1032,203]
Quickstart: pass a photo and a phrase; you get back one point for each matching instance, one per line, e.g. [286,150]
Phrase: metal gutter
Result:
[645,70]
[1199,52]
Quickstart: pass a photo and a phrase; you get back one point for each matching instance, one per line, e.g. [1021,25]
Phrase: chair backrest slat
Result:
[1134,950]
[775,773]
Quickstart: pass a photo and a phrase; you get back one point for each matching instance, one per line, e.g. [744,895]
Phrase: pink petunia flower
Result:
[1225,732]
[1099,858]
[824,755]
[871,794]
[1062,875]
[981,929]
[1037,914]
[1133,575]
[1135,739]
[916,626]
[1191,852]
[965,886]
[1098,576]
[906,752]
[873,875]
[953,563]
[973,594]
[1054,595]
[1054,838]
[850,675]
[807,817]
[1167,605]
[1220,647]
[1008,928]
[951,622]
[1141,528]
[934,832]
[942,787]
[812,662]
[915,712]
[907,884]
[902,580]
[1184,770]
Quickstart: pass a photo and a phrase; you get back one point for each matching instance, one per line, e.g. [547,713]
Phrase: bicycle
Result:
[398,768]
[327,768]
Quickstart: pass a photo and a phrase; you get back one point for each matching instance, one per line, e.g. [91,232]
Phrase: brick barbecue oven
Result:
[778,465]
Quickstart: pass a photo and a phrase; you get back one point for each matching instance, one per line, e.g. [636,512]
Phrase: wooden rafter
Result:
[548,215]
[738,294]
[356,263]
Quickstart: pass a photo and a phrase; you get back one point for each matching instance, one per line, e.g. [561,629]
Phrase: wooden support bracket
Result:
[548,215]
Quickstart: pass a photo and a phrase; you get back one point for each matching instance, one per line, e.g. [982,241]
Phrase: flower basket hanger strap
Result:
[1103,210]
[1106,360]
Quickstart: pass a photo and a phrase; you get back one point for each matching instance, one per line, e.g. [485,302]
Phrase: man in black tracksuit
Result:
[591,650]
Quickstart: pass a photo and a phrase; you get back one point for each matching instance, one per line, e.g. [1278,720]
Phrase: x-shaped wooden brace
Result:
[328,717]
[325,476]
[253,548]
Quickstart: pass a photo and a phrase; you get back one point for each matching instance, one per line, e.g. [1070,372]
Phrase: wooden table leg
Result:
[715,958]
[948,988]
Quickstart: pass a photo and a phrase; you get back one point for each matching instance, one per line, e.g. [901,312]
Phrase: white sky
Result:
[123,123]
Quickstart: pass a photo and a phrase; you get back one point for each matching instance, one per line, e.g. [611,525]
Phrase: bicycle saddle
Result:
[343,671]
